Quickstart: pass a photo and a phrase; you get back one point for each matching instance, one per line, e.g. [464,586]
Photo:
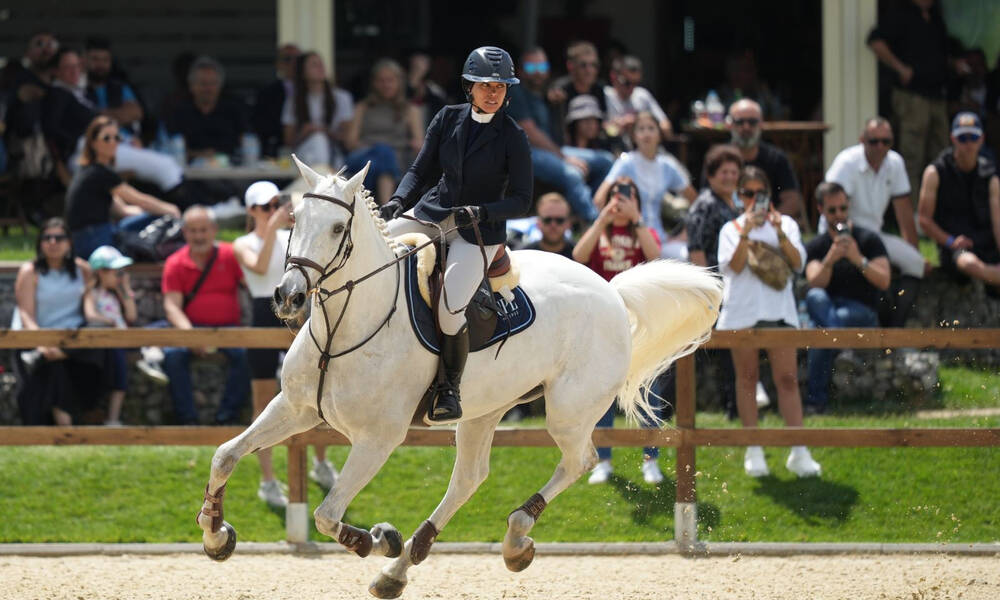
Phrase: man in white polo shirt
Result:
[873,176]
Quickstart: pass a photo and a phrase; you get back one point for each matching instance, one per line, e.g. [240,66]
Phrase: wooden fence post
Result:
[297,512]
[685,507]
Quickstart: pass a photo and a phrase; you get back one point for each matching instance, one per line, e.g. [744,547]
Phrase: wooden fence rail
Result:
[686,437]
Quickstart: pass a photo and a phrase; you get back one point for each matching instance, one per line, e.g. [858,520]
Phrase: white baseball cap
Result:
[260,192]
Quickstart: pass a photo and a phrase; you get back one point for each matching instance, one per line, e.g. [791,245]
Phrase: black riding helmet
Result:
[487,64]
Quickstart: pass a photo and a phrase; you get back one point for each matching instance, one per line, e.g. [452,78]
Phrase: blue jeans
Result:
[831,312]
[88,239]
[551,169]
[598,163]
[177,366]
[658,391]
[382,157]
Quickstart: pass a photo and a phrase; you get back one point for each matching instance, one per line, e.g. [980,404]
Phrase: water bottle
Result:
[715,109]
[250,149]
[699,113]
[178,149]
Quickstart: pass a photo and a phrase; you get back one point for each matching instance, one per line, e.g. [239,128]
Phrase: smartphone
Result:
[761,203]
[623,189]
[842,229]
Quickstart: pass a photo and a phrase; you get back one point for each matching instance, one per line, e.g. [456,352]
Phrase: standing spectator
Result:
[110,302]
[567,172]
[913,42]
[846,268]
[25,81]
[761,296]
[270,102]
[625,98]
[960,205]
[873,176]
[554,220]
[742,81]
[110,96]
[618,240]
[58,384]
[201,282]
[582,67]
[424,92]
[744,122]
[653,172]
[210,123]
[316,115]
[96,195]
[386,130]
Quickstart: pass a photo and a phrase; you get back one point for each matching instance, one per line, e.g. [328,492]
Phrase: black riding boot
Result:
[447,404]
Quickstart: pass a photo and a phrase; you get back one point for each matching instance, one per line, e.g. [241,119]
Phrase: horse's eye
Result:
[338,229]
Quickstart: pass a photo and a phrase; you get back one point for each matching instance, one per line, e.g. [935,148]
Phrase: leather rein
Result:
[344,251]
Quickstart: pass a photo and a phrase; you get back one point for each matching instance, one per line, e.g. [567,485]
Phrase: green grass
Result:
[15,245]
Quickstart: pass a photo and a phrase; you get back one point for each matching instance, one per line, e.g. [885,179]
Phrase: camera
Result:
[842,229]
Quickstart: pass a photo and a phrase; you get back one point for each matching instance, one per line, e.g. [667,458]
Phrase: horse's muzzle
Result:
[290,298]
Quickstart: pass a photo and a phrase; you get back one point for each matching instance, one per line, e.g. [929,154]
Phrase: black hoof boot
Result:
[447,405]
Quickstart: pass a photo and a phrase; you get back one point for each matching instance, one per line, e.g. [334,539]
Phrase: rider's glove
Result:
[391,209]
[465,216]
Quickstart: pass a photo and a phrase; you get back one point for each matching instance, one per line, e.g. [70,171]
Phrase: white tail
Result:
[671,307]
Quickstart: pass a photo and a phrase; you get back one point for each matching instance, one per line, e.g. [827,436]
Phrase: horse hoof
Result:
[521,561]
[226,550]
[384,586]
[385,532]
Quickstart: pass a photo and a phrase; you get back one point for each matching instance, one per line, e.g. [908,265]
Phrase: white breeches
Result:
[463,270]
[148,165]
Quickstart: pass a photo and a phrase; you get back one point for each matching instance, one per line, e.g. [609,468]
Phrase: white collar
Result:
[481,117]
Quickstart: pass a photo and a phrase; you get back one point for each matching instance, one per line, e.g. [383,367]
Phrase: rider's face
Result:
[489,96]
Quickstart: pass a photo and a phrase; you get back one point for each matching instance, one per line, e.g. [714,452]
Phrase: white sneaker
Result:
[113,423]
[754,463]
[153,354]
[323,473]
[601,473]
[762,397]
[153,370]
[271,492]
[29,358]
[802,464]
[651,471]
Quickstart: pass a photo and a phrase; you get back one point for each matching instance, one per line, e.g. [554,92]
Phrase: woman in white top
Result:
[315,116]
[748,302]
[655,173]
[261,254]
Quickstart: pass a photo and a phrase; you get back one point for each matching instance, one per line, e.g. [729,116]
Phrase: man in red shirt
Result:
[193,298]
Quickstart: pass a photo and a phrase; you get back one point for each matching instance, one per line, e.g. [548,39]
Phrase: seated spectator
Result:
[110,96]
[201,283]
[270,102]
[554,221]
[96,195]
[625,98]
[210,123]
[110,302]
[386,130]
[968,91]
[672,217]
[567,172]
[23,83]
[742,81]
[424,92]
[585,131]
[873,176]
[58,385]
[618,240]
[68,113]
[759,252]
[960,205]
[316,115]
[655,173]
[582,69]
[744,122]
[846,268]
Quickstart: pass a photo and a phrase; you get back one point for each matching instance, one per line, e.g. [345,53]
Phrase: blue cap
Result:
[966,122]
[108,257]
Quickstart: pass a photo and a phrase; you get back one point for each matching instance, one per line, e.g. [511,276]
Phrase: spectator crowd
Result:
[610,194]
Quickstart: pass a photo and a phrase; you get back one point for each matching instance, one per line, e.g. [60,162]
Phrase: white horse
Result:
[591,342]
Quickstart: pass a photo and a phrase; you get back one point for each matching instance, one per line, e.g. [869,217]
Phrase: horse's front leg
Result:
[366,457]
[278,421]
[473,440]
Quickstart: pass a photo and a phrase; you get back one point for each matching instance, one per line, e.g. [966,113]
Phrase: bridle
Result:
[344,250]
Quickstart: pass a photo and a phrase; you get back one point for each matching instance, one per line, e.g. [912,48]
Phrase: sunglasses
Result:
[551,220]
[749,193]
[270,206]
[588,64]
[877,141]
[836,209]
[751,121]
[108,137]
[55,237]
[44,43]
[967,138]
[536,67]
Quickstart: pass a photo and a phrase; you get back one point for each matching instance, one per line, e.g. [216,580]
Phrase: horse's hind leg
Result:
[473,440]
[278,421]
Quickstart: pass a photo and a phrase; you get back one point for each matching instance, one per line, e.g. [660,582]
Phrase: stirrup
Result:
[445,410]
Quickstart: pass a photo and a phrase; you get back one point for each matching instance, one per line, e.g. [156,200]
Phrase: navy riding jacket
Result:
[492,171]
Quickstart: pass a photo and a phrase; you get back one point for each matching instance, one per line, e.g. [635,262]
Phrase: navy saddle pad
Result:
[514,316]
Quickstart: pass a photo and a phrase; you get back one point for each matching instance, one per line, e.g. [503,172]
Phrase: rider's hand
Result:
[391,209]
[467,215]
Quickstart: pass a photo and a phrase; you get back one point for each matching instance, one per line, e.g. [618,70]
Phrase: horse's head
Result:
[321,240]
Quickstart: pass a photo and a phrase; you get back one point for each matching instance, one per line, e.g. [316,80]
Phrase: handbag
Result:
[155,242]
[767,262]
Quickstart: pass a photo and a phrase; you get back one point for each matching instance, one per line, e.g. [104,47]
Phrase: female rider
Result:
[482,163]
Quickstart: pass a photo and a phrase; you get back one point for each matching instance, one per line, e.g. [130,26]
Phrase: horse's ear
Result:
[311,177]
[354,183]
